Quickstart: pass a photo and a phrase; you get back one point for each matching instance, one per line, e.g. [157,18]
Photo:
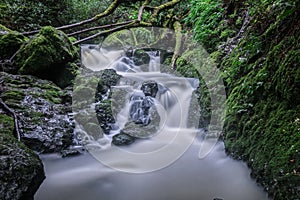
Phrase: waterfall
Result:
[166,110]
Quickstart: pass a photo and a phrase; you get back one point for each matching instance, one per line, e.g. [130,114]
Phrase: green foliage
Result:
[25,15]
[82,10]
[205,17]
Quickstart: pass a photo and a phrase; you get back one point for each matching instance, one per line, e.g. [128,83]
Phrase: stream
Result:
[163,162]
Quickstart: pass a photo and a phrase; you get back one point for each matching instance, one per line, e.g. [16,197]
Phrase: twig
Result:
[11,112]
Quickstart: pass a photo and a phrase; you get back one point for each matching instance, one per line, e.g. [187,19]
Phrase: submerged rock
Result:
[21,170]
[122,139]
[48,56]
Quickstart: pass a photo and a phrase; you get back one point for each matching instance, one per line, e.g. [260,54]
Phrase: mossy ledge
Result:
[260,64]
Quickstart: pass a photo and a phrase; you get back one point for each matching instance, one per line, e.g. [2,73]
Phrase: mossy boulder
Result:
[21,170]
[49,56]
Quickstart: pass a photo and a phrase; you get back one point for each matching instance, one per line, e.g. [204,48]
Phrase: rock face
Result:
[48,56]
[44,123]
[21,170]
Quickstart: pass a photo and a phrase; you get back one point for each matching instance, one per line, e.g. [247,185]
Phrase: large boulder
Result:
[21,170]
[49,55]
[42,109]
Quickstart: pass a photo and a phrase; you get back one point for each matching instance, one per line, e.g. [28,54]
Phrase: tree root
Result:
[14,115]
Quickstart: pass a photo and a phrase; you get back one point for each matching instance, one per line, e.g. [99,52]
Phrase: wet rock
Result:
[49,55]
[103,108]
[218,199]
[139,110]
[141,57]
[44,123]
[110,77]
[70,152]
[21,170]
[150,88]
[140,130]
[104,115]
[122,139]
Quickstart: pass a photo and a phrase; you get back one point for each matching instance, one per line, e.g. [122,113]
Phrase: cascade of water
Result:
[154,64]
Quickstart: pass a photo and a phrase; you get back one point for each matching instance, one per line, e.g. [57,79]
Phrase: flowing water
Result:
[164,164]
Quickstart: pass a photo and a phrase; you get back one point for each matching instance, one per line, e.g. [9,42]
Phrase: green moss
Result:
[7,125]
[13,94]
[47,56]
[260,65]
[10,42]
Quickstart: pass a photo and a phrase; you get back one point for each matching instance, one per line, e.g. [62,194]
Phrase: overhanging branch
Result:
[99,27]
[132,24]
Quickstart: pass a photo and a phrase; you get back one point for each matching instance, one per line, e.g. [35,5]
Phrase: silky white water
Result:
[164,165]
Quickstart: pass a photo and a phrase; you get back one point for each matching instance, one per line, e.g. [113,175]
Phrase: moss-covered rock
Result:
[44,125]
[21,170]
[48,55]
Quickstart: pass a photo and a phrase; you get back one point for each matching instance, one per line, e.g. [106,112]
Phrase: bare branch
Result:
[178,37]
[14,115]
[140,15]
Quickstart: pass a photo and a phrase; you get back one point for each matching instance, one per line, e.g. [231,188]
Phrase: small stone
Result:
[122,139]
